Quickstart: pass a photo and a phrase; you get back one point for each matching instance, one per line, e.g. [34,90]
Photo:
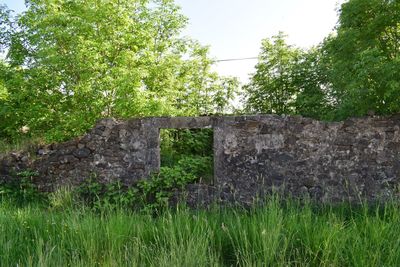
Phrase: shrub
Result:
[21,190]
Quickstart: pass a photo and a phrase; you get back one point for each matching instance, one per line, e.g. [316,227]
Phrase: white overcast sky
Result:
[235,28]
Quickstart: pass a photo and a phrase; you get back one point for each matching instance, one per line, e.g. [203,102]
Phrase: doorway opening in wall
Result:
[188,153]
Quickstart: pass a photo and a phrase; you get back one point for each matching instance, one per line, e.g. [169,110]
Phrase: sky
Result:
[235,28]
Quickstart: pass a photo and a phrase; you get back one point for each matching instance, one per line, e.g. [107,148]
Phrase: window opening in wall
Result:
[188,153]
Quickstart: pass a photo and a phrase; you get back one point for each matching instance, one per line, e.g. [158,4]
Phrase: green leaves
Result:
[365,58]
[3,92]
[270,89]
[352,73]
[288,80]
[83,60]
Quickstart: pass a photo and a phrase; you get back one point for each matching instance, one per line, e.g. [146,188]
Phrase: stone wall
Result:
[253,155]
[124,150]
[329,162]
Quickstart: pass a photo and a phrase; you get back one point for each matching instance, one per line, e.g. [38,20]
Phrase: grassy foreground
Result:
[277,234]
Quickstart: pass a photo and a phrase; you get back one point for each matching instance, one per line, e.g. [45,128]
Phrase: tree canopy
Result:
[365,58]
[353,72]
[69,63]
[271,89]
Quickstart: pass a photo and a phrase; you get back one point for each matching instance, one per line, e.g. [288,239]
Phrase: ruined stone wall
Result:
[351,160]
[124,150]
[253,156]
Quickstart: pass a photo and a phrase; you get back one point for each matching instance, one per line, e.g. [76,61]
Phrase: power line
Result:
[236,59]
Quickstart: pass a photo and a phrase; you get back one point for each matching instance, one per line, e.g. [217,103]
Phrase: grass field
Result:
[277,234]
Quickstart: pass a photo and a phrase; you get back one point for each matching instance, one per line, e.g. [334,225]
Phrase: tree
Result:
[365,58]
[313,88]
[352,73]
[271,88]
[77,61]
[289,80]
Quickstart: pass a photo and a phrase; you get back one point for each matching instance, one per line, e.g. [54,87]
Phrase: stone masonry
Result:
[253,155]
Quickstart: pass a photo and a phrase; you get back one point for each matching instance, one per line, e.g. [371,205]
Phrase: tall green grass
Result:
[276,234]
[20,144]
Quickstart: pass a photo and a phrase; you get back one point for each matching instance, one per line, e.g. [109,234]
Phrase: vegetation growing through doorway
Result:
[188,152]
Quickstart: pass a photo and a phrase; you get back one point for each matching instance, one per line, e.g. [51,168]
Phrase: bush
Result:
[21,190]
